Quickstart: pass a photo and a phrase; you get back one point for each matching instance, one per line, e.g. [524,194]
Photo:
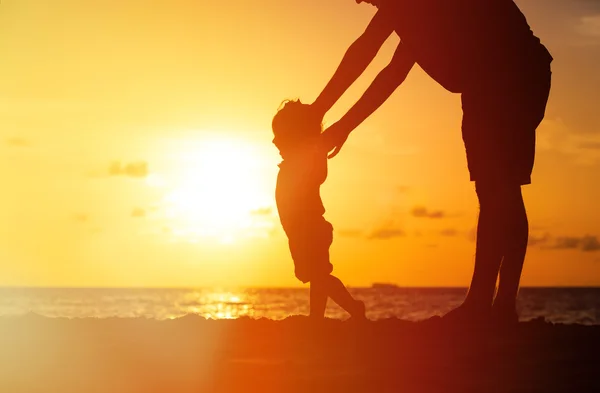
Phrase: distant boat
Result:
[383,285]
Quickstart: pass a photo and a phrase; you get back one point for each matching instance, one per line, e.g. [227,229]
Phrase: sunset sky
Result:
[135,148]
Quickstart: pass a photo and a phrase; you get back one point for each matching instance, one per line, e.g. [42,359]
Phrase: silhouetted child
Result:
[301,173]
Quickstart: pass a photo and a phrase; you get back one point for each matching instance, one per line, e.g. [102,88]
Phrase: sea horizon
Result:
[240,287]
[572,305]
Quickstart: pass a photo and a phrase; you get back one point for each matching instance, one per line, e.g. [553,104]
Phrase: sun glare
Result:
[221,186]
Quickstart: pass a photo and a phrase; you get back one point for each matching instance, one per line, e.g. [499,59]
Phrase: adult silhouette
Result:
[486,51]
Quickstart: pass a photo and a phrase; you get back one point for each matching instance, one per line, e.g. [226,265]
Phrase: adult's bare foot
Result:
[467,314]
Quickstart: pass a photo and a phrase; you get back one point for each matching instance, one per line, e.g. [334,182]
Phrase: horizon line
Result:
[232,288]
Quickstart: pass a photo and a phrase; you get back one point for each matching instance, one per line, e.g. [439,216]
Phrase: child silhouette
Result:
[303,169]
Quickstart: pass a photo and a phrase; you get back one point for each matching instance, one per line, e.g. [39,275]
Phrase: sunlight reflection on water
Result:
[566,305]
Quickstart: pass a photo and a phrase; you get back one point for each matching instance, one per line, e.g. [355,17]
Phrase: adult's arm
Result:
[376,94]
[356,59]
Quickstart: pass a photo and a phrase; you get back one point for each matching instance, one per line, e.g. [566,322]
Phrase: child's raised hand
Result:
[333,138]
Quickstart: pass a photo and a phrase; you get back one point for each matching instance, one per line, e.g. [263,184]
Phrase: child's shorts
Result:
[309,246]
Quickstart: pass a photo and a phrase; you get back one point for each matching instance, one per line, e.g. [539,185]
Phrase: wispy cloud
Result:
[386,233]
[546,241]
[555,136]
[352,233]
[536,240]
[17,142]
[263,211]
[132,169]
[81,217]
[590,243]
[586,243]
[590,145]
[449,232]
[423,212]
[589,26]
[386,230]
[566,243]
[138,212]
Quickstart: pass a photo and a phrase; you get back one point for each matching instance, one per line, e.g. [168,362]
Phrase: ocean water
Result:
[560,305]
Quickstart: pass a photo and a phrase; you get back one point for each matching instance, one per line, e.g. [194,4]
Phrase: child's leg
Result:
[339,294]
[318,298]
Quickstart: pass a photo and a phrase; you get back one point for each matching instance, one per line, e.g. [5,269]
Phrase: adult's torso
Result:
[464,42]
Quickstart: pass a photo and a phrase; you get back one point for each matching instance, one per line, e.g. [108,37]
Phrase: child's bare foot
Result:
[359,311]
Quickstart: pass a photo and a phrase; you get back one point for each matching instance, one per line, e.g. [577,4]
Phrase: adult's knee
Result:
[499,196]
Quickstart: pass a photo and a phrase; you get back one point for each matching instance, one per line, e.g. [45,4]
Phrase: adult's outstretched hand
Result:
[333,138]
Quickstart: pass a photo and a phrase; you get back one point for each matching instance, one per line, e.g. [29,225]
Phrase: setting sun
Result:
[220,189]
[140,153]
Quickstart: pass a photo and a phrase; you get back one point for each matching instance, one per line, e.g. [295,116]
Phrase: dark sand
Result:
[192,354]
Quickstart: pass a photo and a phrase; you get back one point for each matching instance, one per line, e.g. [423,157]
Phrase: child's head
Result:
[294,126]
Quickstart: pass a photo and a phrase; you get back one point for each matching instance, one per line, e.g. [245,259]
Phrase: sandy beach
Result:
[191,354]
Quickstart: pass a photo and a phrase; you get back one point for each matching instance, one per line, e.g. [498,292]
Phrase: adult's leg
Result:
[502,233]
[534,92]
[501,245]
[499,123]
[489,248]
[514,254]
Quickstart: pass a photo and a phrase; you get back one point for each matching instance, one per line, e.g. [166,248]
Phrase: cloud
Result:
[589,26]
[386,233]
[353,233]
[17,142]
[133,169]
[138,212]
[449,232]
[565,243]
[422,212]
[589,145]
[555,136]
[263,211]
[585,243]
[590,243]
[537,240]
[81,217]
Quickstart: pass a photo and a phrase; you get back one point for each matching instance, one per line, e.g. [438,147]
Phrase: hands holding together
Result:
[334,137]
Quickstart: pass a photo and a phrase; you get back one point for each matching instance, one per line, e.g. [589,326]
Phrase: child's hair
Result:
[293,124]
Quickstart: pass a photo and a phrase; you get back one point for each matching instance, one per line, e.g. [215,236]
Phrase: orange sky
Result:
[118,123]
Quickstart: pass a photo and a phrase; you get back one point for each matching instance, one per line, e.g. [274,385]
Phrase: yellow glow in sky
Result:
[135,148]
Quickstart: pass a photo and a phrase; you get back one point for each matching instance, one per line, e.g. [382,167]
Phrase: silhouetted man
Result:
[485,50]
